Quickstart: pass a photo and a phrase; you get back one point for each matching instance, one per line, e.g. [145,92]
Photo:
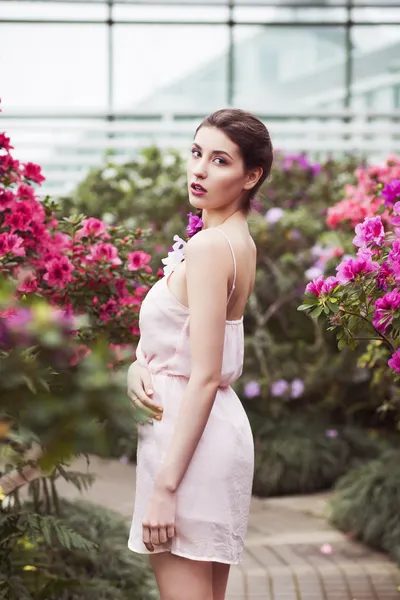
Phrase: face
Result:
[215,171]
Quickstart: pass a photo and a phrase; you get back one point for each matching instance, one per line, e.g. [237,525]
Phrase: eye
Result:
[222,161]
[195,152]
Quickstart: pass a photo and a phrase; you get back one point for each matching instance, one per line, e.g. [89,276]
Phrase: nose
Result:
[200,170]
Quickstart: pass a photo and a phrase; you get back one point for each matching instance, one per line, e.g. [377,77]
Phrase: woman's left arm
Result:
[207,272]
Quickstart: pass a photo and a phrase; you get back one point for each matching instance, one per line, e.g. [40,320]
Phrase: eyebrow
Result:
[214,151]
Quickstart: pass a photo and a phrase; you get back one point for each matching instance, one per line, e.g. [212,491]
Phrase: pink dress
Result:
[213,499]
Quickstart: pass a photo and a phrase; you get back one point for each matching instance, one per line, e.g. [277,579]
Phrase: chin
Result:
[196,202]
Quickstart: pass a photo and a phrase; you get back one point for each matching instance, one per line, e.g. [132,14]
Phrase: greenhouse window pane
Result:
[60,67]
[376,65]
[376,15]
[289,69]
[170,14]
[170,68]
[271,14]
[53,11]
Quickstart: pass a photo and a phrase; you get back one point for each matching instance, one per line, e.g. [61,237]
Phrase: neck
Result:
[215,218]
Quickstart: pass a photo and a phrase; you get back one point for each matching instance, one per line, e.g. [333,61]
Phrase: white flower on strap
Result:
[174,257]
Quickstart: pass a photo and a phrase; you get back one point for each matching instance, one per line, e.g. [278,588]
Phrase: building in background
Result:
[150,73]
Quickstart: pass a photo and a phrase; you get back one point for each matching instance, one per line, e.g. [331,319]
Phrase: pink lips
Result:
[198,189]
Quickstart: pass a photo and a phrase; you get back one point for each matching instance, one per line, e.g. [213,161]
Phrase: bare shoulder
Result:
[207,240]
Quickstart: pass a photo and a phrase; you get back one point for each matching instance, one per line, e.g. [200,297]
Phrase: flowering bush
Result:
[364,198]
[82,265]
[362,301]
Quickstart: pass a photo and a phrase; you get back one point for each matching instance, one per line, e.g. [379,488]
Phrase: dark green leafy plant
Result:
[366,503]
[303,455]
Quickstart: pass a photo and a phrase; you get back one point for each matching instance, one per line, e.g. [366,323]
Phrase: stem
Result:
[381,335]
[46,495]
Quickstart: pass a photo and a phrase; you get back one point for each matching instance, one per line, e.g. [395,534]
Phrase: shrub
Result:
[366,503]
[301,456]
[101,569]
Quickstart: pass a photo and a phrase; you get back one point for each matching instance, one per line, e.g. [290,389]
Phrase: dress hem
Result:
[185,555]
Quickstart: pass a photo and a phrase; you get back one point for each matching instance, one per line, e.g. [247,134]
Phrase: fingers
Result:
[143,410]
[147,538]
[155,536]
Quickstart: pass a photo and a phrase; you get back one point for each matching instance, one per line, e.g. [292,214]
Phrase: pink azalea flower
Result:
[8,163]
[385,310]
[391,192]
[104,252]
[385,276]
[11,244]
[27,281]
[394,361]
[25,191]
[370,231]
[6,199]
[108,309]
[33,172]
[92,227]
[348,269]
[394,254]
[20,218]
[319,285]
[137,260]
[58,272]
[5,142]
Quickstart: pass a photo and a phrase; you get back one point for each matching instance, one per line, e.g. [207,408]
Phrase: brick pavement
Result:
[283,558]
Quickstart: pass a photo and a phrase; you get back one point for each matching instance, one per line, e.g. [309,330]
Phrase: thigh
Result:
[220,574]
[180,578]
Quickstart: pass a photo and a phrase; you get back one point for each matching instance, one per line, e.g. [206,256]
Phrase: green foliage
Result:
[301,455]
[366,503]
[81,555]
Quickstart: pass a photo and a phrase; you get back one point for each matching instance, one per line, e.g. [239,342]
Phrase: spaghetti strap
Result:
[234,264]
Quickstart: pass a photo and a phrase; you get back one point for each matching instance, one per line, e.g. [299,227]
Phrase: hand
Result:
[140,390]
[159,523]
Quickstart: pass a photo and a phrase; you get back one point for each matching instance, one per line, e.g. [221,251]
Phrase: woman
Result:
[195,460]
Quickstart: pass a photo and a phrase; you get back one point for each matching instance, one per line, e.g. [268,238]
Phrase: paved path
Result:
[291,551]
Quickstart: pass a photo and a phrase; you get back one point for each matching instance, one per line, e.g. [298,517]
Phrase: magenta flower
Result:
[348,269]
[11,244]
[391,192]
[58,272]
[371,231]
[320,286]
[20,218]
[6,199]
[385,309]
[104,252]
[5,142]
[195,224]
[137,260]
[108,309]
[279,388]
[91,227]
[33,172]
[394,361]
[252,389]
[383,277]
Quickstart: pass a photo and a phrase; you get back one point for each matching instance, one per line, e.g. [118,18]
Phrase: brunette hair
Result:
[252,138]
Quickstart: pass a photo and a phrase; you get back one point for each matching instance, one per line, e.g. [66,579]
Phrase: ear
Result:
[252,178]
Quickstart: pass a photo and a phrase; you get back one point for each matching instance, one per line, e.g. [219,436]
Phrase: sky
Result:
[64,67]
